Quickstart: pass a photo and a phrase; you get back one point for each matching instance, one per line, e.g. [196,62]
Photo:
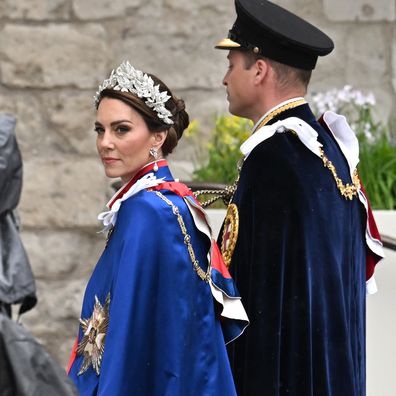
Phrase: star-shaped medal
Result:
[91,346]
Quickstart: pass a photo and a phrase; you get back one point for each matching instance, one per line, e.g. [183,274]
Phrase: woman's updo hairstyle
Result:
[175,105]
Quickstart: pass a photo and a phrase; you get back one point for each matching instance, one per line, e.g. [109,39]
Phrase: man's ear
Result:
[261,69]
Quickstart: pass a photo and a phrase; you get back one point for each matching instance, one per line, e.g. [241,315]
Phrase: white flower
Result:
[335,99]
[351,102]
[367,132]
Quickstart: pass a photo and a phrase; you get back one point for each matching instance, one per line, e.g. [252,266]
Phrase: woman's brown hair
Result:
[175,105]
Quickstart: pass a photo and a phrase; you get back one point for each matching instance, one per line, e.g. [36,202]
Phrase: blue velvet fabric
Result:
[299,265]
[163,337]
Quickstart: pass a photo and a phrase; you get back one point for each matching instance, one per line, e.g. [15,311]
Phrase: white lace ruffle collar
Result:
[109,218]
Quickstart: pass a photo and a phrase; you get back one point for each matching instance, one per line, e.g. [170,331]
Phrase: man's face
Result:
[239,84]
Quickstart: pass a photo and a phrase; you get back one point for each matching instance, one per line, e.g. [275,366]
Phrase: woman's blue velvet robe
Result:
[163,337]
[299,265]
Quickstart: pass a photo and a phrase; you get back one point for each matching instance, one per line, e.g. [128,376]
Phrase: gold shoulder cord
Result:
[279,110]
[205,276]
[348,191]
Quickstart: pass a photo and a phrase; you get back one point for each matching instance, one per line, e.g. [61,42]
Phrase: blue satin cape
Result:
[163,337]
[299,265]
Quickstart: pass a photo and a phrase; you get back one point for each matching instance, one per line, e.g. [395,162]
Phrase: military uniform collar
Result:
[276,108]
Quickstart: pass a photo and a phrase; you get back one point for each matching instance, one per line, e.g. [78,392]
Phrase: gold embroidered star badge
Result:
[91,346]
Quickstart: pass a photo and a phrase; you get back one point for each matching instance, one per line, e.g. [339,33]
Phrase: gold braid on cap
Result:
[128,79]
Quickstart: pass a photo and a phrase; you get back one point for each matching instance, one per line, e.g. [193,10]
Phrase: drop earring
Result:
[154,153]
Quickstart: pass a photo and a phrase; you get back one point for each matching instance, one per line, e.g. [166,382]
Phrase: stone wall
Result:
[54,53]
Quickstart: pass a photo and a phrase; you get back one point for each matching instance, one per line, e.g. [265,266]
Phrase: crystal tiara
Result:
[128,79]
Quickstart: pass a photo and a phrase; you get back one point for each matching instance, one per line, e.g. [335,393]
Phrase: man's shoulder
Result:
[280,145]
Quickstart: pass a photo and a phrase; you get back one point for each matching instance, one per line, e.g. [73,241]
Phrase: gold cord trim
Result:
[279,110]
[205,276]
[230,227]
[226,194]
[348,191]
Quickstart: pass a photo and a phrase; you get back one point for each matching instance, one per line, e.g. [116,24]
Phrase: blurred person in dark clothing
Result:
[26,369]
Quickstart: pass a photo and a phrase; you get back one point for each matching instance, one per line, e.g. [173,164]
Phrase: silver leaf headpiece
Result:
[128,79]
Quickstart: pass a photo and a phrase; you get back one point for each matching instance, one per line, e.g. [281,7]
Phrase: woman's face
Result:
[123,139]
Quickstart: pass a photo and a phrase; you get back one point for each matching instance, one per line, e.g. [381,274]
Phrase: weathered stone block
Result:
[359,59]
[151,11]
[62,255]
[330,70]
[60,122]
[35,9]
[57,55]
[64,192]
[360,10]
[31,132]
[54,320]
[60,300]
[100,9]
[172,18]
[180,67]
[199,5]
[367,56]
[310,10]
[71,117]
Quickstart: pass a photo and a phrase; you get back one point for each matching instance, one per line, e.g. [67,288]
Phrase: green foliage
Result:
[223,150]
[377,169]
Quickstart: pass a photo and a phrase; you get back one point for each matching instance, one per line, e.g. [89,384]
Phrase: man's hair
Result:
[287,76]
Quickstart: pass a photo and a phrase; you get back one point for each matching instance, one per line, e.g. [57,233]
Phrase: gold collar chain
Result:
[204,275]
[279,110]
[348,191]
